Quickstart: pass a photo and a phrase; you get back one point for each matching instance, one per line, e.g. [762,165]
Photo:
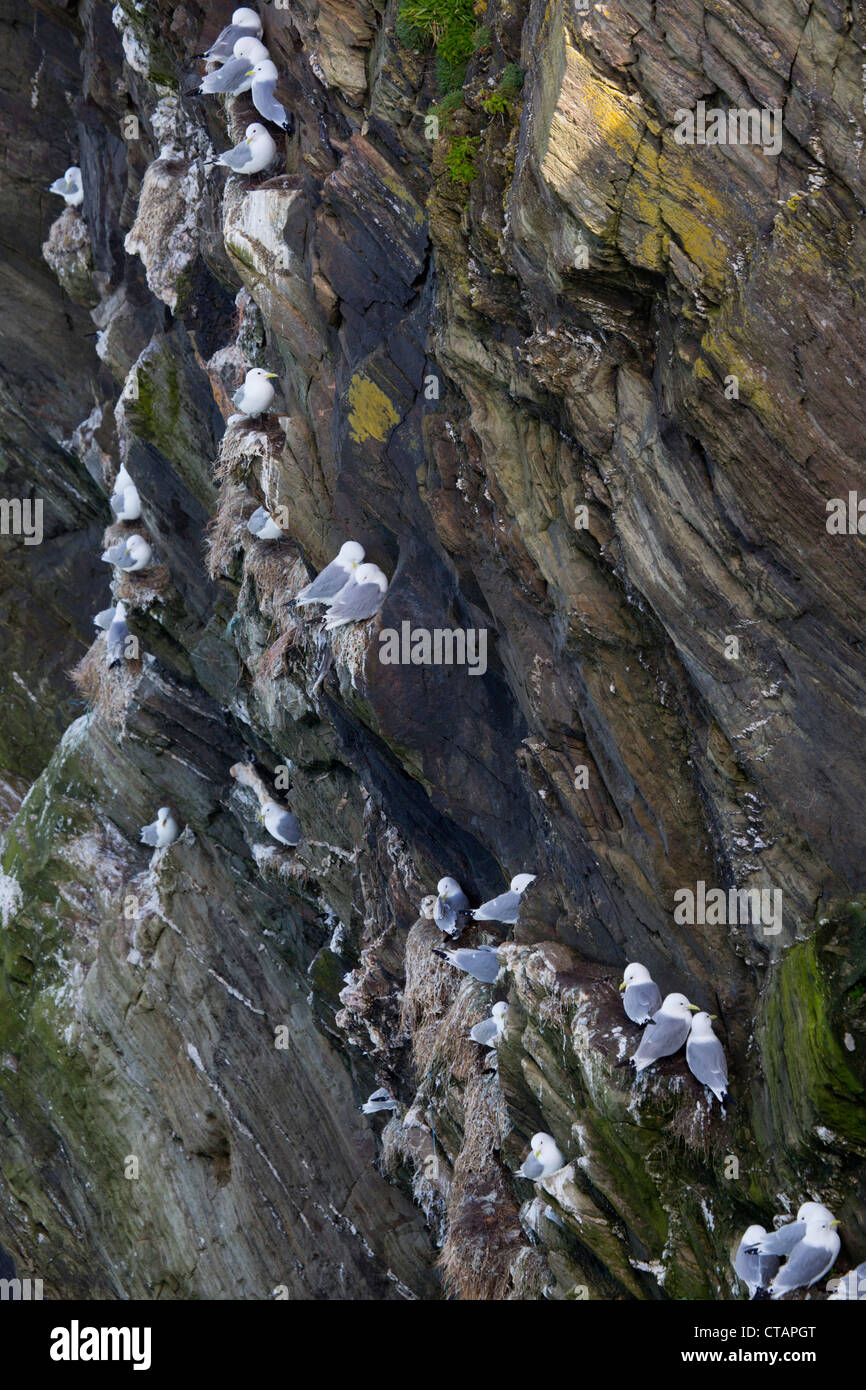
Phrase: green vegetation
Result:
[459,161]
[511,81]
[448,26]
[496,104]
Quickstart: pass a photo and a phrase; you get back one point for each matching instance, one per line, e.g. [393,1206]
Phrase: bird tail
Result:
[437,952]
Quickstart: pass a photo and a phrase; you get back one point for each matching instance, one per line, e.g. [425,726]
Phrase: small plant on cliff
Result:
[511,81]
[447,25]
[496,104]
[459,161]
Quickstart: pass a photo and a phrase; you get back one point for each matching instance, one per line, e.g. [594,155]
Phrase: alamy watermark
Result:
[729,907]
[438,646]
[20,1290]
[755,125]
[22,517]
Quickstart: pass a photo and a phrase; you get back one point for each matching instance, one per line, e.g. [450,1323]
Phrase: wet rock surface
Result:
[592,401]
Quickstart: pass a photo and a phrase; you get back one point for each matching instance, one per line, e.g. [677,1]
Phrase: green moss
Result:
[449,27]
[511,81]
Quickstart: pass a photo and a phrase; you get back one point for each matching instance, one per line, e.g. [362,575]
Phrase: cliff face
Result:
[573,384]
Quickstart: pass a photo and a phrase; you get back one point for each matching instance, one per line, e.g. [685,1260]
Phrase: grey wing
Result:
[116,502]
[804,1265]
[485,1033]
[707,1062]
[501,909]
[288,827]
[149,834]
[642,1001]
[115,553]
[481,965]
[355,603]
[104,619]
[444,916]
[746,1266]
[238,397]
[223,45]
[237,159]
[530,1167]
[116,641]
[265,102]
[325,586]
[661,1038]
[782,1242]
[768,1268]
[226,78]
[60,186]
[258,520]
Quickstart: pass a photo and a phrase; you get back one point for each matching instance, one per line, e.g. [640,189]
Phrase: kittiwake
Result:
[811,1258]
[283,825]
[754,1269]
[542,1160]
[70,188]
[482,963]
[256,394]
[244,23]
[784,1238]
[234,77]
[254,153]
[450,902]
[379,1100]
[131,554]
[641,995]
[163,832]
[125,501]
[113,623]
[506,907]
[334,577]
[262,525]
[264,77]
[359,599]
[706,1057]
[666,1033]
[490,1030]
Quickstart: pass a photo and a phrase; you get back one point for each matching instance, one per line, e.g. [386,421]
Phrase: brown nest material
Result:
[107,692]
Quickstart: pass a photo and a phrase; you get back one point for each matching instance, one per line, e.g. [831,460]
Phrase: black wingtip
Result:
[289,126]
[437,952]
[761,1295]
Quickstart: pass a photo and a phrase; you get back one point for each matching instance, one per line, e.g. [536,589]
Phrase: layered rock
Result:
[572,383]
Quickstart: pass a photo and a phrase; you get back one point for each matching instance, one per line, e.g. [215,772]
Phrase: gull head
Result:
[257,375]
[264,69]
[371,574]
[247,19]
[254,132]
[678,1006]
[702,1025]
[499,1010]
[814,1211]
[521,881]
[446,886]
[635,974]
[351,553]
[248,47]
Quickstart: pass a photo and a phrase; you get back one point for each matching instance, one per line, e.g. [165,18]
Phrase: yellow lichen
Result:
[371,414]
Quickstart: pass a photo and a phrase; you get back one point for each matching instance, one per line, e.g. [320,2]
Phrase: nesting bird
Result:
[641,995]
[506,907]
[262,525]
[125,501]
[811,1258]
[334,577]
[263,79]
[754,1269]
[666,1033]
[482,963]
[256,394]
[490,1030]
[359,599]
[70,188]
[130,555]
[706,1057]
[450,902]
[234,77]
[254,153]
[379,1100]
[543,1159]
[245,24]
[783,1240]
[281,825]
[113,623]
[163,832]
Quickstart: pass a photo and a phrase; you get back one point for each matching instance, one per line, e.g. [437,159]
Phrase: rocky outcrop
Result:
[574,384]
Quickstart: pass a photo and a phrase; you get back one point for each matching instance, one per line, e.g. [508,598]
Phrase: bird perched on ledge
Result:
[254,154]
[245,24]
[69,188]
[641,995]
[256,394]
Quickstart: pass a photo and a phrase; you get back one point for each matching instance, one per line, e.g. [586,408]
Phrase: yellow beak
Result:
[695,1008]
[713,1017]
[622,987]
[273,374]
